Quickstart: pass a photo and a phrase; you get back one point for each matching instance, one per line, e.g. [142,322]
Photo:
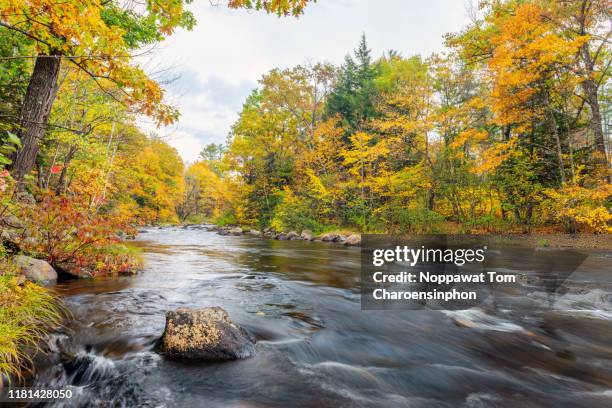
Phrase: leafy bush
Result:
[226,219]
[66,230]
[26,313]
[581,209]
[293,213]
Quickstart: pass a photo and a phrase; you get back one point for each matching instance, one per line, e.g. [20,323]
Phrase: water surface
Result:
[316,347]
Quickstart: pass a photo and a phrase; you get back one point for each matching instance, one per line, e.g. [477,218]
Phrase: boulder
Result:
[255,233]
[25,198]
[282,237]
[9,235]
[236,231]
[205,334]
[11,221]
[353,240]
[35,270]
[292,235]
[307,235]
[330,237]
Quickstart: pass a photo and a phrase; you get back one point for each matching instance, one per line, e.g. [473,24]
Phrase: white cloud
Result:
[220,61]
[186,143]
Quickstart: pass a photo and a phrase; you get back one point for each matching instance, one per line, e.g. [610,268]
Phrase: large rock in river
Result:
[34,269]
[205,334]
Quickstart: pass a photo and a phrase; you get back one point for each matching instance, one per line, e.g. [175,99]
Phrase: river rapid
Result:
[315,346]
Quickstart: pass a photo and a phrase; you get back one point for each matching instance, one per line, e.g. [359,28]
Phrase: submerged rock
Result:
[34,269]
[205,334]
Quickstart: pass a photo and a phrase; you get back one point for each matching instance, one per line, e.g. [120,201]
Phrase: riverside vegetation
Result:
[77,174]
[504,132]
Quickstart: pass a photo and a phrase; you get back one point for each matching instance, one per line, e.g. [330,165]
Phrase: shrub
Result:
[415,220]
[293,213]
[485,224]
[227,218]
[27,312]
[66,230]
[581,209]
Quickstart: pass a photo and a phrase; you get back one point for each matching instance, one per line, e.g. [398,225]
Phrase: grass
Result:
[27,312]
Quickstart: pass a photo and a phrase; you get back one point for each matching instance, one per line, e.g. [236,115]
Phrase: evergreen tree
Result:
[354,92]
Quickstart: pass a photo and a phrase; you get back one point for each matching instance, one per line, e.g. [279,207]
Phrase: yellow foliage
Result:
[581,208]
[495,155]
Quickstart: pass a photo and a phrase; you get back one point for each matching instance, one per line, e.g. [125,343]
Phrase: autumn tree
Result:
[98,37]
[587,22]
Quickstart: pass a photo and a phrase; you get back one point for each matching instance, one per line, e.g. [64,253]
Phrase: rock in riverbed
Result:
[353,240]
[236,231]
[292,236]
[35,270]
[331,237]
[205,334]
[307,235]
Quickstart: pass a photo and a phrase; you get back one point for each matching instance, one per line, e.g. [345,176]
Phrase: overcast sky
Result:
[219,62]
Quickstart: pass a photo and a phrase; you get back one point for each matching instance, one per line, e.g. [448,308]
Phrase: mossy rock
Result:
[205,334]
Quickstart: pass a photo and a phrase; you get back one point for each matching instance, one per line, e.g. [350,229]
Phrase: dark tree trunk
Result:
[590,90]
[61,183]
[35,111]
[431,199]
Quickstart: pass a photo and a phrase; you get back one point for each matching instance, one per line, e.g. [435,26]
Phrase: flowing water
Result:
[315,346]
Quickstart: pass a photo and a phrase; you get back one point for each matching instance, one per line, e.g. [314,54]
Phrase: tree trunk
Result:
[552,124]
[61,183]
[35,111]
[591,90]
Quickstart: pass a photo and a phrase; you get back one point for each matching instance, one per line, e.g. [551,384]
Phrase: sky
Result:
[208,72]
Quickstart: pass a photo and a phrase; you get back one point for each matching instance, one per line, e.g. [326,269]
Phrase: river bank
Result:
[576,241]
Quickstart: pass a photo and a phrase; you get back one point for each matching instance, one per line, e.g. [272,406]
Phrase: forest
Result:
[504,132]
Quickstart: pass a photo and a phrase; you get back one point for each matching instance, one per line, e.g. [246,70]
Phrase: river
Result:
[316,347]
